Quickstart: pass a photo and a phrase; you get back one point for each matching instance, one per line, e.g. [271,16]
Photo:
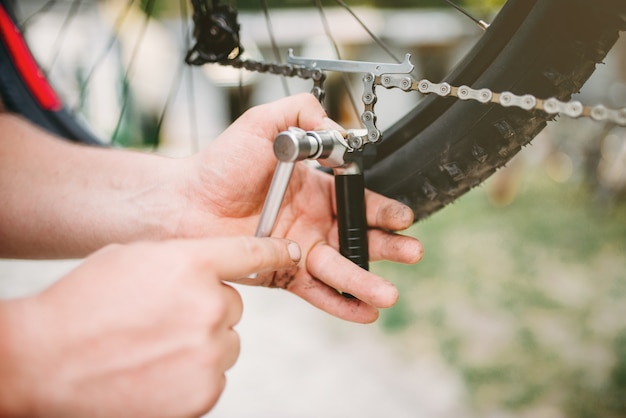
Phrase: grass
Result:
[527,301]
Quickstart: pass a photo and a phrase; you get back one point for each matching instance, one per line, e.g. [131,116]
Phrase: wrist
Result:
[159,201]
[204,211]
[143,199]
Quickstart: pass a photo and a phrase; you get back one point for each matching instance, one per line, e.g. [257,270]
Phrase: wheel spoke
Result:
[149,9]
[375,38]
[344,76]
[193,119]
[112,41]
[275,49]
[481,23]
[178,81]
[73,11]
[43,9]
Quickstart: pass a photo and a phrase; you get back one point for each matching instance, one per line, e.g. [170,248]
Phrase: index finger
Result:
[237,257]
[301,110]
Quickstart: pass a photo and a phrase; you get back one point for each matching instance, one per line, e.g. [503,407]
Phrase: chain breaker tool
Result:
[330,148]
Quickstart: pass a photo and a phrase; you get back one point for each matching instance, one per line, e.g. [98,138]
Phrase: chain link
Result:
[285,70]
[552,106]
[573,109]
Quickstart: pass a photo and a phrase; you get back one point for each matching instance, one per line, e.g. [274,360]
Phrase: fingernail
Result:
[294,251]
[408,214]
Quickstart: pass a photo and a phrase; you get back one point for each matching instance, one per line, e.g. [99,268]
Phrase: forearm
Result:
[66,200]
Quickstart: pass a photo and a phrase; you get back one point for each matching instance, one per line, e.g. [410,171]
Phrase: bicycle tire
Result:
[443,147]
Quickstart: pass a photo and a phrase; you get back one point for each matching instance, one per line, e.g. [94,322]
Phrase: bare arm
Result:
[65,200]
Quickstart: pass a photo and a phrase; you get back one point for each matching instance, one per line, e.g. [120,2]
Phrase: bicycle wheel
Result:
[442,148]
[25,90]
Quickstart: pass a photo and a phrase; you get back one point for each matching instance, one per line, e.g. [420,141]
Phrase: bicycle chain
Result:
[285,70]
[573,109]
[552,106]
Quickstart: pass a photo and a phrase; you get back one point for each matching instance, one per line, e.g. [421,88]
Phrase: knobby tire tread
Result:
[429,161]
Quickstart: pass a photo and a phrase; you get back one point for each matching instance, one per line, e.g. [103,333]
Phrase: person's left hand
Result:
[231,180]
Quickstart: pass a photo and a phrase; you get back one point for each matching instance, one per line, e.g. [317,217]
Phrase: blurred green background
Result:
[523,294]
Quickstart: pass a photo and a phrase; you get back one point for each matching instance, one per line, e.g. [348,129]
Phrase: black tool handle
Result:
[350,191]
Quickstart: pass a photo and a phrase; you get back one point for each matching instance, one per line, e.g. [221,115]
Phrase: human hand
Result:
[144,330]
[230,183]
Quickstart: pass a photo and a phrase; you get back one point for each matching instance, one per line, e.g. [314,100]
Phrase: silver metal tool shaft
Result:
[274,198]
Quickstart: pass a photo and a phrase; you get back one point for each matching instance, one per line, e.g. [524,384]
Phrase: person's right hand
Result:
[144,330]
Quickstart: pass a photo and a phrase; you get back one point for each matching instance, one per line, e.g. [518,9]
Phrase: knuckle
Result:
[255,251]
[224,309]
[218,310]
[209,394]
